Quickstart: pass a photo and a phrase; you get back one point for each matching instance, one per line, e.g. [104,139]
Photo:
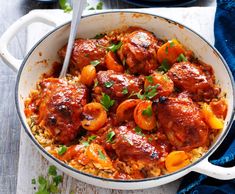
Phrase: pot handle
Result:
[24,21]
[214,171]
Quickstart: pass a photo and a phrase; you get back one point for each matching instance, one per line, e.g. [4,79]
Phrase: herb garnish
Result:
[148,111]
[110,136]
[114,47]
[98,36]
[149,78]
[106,101]
[64,4]
[181,58]
[101,155]
[150,92]
[125,91]
[108,84]
[96,83]
[62,149]
[172,44]
[91,138]
[166,50]
[164,66]
[48,184]
[95,62]
[99,6]
[138,131]
[85,143]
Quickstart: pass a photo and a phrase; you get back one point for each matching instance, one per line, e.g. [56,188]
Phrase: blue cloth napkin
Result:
[195,183]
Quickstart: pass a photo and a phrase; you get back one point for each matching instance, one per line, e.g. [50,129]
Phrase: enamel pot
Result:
[31,68]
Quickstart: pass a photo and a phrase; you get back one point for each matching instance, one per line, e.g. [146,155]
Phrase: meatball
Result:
[84,52]
[60,108]
[139,51]
[129,145]
[191,78]
[182,122]
[119,85]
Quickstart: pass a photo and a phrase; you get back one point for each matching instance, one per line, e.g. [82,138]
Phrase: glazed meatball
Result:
[139,50]
[60,108]
[191,78]
[84,52]
[119,85]
[181,120]
[129,145]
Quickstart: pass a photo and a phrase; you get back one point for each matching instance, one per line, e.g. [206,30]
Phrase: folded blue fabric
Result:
[194,183]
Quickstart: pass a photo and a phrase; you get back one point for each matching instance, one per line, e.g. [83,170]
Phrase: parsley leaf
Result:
[101,155]
[110,136]
[62,150]
[138,131]
[98,36]
[52,170]
[149,78]
[57,180]
[181,58]
[85,143]
[91,138]
[48,184]
[99,5]
[148,111]
[166,50]
[64,4]
[33,181]
[164,66]
[114,47]
[106,101]
[95,62]
[108,84]
[172,44]
[125,91]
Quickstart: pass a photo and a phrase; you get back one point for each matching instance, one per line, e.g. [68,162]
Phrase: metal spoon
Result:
[78,7]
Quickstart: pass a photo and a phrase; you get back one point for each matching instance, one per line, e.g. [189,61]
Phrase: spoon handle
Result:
[78,7]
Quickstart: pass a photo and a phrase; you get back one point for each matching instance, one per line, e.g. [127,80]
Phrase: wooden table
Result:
[10,11]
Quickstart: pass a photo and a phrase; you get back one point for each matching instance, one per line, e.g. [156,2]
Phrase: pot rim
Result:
[208,153]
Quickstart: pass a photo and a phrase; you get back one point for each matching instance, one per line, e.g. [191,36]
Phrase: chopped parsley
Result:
[114,47]
[101,155]
[106,101]
[150,139]
[172,44]
[110,136]
[108,84]
[166,50]
[62,149]
[91,138]
[181,58]
[95,63]
[164,66]
[98,36]
[149,78]
[148,111]
[65,5]
[125,91]
[48,184]
[99,5]
[85,143]
[138,131]
[33,181]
